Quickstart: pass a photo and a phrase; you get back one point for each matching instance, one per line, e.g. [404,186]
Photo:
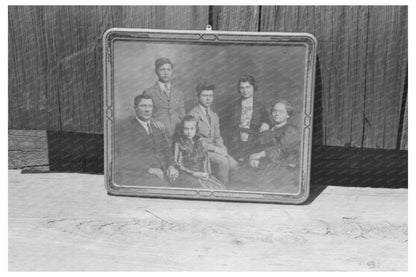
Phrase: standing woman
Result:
[249,119]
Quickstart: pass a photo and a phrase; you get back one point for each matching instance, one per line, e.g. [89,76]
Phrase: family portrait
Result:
[213,117]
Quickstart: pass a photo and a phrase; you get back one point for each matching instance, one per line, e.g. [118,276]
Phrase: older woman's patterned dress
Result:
[277,172]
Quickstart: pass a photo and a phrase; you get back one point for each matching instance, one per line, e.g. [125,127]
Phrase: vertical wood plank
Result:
[55,59]
[342,79]
[320,22]
[390,109]
[368,136]
[236,18]
[165,17]
[75,64]
[55,65]
[278,18]
[27,88]
[358,80]
[363,55]
[386,66]
[404,138]
[324,37]
[331,111]
[396,66]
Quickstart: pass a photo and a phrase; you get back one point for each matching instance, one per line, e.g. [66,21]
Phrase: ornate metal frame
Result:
[208,36]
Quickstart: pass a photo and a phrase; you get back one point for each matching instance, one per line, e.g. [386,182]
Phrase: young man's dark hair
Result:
[204,86]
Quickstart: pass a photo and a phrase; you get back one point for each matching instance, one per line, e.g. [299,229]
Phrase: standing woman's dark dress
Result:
[241,149]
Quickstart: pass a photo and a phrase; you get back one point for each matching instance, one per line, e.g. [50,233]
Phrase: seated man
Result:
[209,130]
[143,156]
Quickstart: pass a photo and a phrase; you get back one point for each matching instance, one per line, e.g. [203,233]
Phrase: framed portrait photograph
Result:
[208,114]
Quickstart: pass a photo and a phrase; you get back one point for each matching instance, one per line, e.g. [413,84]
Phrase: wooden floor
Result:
[67,222]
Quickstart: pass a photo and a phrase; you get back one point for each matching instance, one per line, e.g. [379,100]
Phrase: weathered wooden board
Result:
[165,17]
[396,68]
[362,53]
[67,222]
[27,69]
[236,18]
[55,59]
[28,149]
[357,62]
[55,62]
[385,70]
[403,142]
[73,44]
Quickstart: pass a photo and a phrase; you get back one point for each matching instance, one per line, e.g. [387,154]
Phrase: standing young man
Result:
[168,102]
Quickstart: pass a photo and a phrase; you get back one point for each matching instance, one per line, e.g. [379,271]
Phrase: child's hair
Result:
[190,118]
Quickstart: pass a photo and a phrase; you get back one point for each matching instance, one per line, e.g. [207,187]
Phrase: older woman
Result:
[275,167]
[249,119]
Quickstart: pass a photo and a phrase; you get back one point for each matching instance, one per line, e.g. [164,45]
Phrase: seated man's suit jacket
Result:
[136,151]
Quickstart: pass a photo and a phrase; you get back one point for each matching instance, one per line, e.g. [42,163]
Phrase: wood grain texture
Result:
[165,17]
[396,65]
[67,222]
[75,57]
[363,57]
[28,149]
[236,18]
[404,138]
[27,69]
[55,59]
[385,70]
[358,52]
[55,67]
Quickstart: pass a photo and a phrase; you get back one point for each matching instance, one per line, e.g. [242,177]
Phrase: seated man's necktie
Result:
[149,129]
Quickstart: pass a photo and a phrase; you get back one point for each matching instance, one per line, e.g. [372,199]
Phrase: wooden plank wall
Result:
[55,67]
[362,53]
[55,60]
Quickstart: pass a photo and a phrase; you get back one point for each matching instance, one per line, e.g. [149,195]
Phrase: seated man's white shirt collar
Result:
[144,124]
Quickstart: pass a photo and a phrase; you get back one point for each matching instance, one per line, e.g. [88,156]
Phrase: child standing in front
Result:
[192,159]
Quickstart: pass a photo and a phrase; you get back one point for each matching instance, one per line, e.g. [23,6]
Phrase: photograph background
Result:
[279,71]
